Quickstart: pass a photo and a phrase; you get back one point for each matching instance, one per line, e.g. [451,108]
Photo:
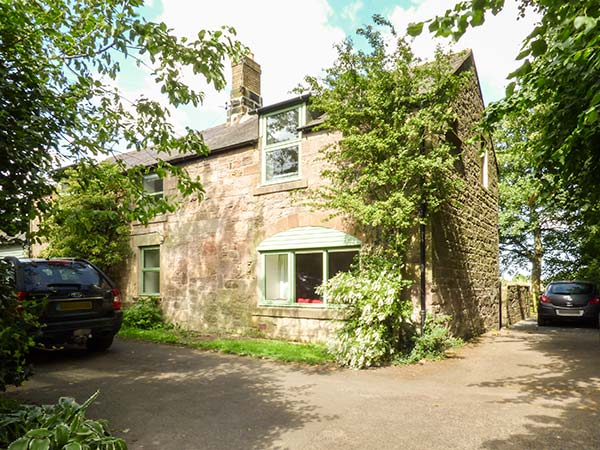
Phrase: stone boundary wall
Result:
[516,302]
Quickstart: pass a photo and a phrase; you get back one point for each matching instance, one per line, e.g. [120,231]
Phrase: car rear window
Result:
[571,288]
[45,275]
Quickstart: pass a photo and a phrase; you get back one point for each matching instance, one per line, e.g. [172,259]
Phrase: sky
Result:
[291,39]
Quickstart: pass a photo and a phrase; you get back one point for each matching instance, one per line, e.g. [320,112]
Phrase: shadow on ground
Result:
[568,385]
[181,396]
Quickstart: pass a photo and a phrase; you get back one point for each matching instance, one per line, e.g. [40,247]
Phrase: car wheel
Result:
[99,344]
[542,322]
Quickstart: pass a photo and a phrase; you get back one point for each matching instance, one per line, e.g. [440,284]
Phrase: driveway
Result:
[523,388]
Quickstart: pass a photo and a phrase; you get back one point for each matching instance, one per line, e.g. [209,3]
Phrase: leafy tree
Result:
[18,323]
[59,60]
[533,228]
[58,63]
[90,216]
[557,92]
[393,113]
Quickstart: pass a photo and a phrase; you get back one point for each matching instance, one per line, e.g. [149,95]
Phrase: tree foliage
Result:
[556,92]
[393,113]
[59,60]
[533,228]
[90,216]
[18,324]
[59,65]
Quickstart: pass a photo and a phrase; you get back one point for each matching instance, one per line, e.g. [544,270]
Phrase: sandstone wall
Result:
[516,302]
[463,242]
[209,262]
[210,266]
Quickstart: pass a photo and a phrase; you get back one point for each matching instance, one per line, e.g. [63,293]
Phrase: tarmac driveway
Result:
[523,388]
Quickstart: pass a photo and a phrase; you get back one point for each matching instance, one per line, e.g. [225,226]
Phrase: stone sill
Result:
[297,313]
[281,187]
[158,219]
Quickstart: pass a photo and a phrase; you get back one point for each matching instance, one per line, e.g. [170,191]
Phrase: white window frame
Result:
[485,169]
[280,145]
[144,270]
[291,254]
[155,194]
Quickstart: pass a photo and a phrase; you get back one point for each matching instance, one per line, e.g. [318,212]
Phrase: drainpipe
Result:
[423,250]
[422,258]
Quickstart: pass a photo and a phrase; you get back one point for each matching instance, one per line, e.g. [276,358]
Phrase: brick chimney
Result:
[245,89]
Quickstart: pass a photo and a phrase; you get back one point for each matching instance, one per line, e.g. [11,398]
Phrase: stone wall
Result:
[210,266]
[463,239]
[209,262]
[516,302]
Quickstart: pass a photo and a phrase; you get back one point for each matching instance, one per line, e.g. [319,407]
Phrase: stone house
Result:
[248,257]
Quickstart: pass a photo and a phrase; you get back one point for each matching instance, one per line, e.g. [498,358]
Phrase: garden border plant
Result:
[53,427]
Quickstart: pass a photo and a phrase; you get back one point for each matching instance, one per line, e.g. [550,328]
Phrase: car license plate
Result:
[569,312]
[74,306]
[82,332]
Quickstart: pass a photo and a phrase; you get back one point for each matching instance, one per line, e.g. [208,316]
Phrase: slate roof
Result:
[220,138]
[226,137]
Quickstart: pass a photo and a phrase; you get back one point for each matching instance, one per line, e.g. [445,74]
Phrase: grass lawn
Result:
[256,348]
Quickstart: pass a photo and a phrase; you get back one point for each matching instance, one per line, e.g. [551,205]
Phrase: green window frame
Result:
[150,270]
[281,144]
[294,287]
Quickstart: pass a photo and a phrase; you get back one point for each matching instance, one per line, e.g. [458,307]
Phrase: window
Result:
[297,261]
[150,271]
[153,185]
[484,168]
[293,277]
[281,144]
[47,274]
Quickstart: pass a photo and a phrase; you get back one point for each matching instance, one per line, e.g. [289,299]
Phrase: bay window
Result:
[295,262]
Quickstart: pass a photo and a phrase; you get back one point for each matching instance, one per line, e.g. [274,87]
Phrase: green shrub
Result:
[435,341]
[56,427]
[144,314]
[373,312]
[18,325]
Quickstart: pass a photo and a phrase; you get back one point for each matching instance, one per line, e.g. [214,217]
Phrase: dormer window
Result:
[153,185]
[281,144]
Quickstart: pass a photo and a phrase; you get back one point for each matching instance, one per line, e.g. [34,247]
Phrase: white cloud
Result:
[289,40]
[495,44]
[350,12]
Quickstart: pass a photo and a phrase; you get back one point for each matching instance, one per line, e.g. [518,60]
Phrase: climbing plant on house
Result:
[393,112]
